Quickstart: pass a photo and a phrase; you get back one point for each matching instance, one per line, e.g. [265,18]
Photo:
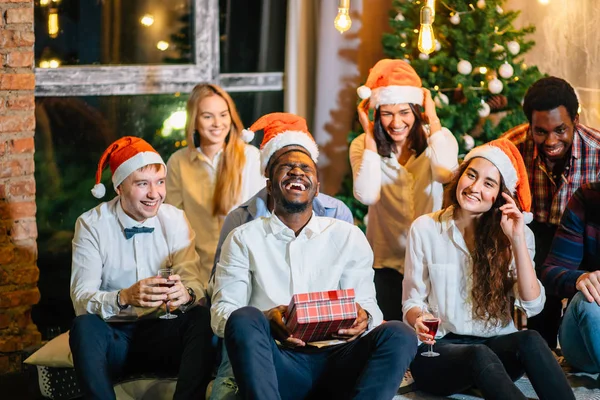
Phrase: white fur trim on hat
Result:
[98,191]
[364,92]
[499,158]
[247,135]
[396,95]
[287,138]
[134,163]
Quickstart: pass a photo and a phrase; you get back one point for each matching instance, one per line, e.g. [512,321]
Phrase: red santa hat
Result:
[281,130]
[125,156]
[506,157]
[392,82]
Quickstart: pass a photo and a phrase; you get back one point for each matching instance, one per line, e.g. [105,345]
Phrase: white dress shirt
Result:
[191,184]
[397,194]
[439,270]
[263,264]
[104,261]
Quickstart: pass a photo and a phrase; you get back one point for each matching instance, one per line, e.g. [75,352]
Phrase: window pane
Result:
[71,134]
[252,35]
[118,32]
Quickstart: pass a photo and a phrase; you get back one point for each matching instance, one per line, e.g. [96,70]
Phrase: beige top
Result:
[191,181]
[397,194]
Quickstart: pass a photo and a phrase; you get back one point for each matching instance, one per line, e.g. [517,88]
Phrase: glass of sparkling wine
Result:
[166,273]
[432,322]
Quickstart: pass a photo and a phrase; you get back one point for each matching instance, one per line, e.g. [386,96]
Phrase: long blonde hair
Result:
[228,188]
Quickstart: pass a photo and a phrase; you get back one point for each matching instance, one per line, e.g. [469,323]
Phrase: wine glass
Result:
[166,273]
[432,322]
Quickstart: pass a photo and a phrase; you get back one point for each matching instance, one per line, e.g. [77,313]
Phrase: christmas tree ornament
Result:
[513,47]
[459,96]
[455,19]
[426,42]
[342,21]
[441,100]
[399,17]
[403,35]
[438,45]
[497,102]
[484,109]
[469,142]
[481,4]
[423,56]
[499,10]
[495,86]
[464,67]
[497,48]
[506,70]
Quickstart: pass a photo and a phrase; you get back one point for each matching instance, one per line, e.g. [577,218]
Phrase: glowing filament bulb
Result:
[53,23]
[342,21]
[426,36]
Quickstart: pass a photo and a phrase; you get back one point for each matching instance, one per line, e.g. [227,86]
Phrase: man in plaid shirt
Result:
[560,155]
[264,262]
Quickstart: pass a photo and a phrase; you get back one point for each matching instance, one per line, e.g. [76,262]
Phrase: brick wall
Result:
[18,230]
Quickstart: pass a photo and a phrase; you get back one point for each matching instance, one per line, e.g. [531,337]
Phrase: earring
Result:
[196,138]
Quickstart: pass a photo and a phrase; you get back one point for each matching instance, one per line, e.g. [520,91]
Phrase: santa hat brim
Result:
[287,138]
[396,95]
[134,163]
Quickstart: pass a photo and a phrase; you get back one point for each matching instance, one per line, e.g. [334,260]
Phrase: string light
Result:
[162,45]
[342,21]
[544,1]
[426,37]
[482,70]
[147,20]
[54,63]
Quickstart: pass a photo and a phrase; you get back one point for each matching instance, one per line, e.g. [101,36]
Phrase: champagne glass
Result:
[432,322]
[166,273]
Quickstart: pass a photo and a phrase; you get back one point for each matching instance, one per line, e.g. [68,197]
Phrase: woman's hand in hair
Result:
[367,124]
[512,221]
[430,113]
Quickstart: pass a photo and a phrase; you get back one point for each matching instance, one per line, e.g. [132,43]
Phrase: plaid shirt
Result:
[550,194]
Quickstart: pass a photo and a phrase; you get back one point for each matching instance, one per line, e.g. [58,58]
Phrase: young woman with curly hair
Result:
[216,172]
[470,261]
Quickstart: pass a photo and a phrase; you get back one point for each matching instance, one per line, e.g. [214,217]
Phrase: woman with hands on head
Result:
[471,260]
[399,166]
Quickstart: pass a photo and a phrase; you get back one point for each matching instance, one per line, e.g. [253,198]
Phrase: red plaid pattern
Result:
[550,194]
[316,316]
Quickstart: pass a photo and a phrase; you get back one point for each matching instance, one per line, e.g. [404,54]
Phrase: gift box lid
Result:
[341,294]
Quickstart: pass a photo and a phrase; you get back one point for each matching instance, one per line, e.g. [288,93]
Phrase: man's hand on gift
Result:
[278,329]
[360,325]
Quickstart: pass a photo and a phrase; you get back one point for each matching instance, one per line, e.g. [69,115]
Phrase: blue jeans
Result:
[224,386]
[579,334]
[103,352]
[370,367]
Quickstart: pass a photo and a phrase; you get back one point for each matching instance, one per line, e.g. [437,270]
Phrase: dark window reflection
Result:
[84,32]
[252,35]
[71,134]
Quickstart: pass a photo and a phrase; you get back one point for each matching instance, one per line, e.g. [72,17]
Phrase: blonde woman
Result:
[216,172]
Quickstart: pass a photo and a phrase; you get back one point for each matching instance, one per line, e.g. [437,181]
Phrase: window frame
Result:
[158,79]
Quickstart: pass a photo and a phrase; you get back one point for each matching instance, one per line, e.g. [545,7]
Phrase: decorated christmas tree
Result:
[476,71]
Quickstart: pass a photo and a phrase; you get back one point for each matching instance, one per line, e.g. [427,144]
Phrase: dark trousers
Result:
[103,352]
[548,321]
[388,285]
[491,365]
[370,367]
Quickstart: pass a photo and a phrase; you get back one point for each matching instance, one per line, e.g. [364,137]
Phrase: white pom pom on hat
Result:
[99,190]
[363,92]
[247,135]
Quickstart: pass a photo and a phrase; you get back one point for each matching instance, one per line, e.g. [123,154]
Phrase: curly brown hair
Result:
[492,257]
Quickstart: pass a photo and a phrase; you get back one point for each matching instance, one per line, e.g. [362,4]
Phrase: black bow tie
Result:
[129,232]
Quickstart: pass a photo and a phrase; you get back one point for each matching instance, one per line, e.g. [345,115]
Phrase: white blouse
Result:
[397,194]
[439,270]
[191,181]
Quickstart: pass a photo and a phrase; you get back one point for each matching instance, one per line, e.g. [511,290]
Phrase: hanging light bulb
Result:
[426,37]
[342,21]
[53,27]
[431,4]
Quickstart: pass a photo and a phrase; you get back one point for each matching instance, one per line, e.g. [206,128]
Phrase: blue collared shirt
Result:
[256,207]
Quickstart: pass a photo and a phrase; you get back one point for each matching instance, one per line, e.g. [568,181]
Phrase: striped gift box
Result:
[316,316]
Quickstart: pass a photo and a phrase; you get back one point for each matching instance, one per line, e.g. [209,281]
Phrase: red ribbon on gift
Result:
[332,295]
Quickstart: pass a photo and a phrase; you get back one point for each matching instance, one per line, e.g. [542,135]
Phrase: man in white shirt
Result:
[118,249]
[264,262]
